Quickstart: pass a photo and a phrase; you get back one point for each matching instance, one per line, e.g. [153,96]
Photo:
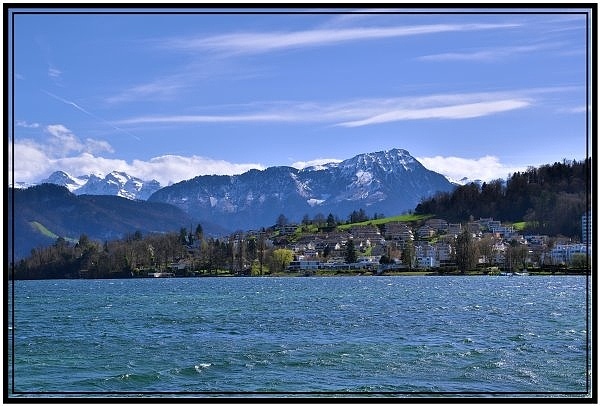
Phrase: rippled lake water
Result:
[384,336]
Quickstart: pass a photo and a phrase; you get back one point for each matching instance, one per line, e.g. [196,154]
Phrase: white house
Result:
[563,253]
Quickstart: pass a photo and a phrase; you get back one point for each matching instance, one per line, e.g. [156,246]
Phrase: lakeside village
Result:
[429,246]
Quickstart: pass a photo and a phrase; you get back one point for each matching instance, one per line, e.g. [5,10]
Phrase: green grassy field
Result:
[520,226]
[39,227]
[404,218]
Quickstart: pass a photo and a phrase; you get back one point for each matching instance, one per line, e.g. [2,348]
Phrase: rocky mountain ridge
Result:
[387,182]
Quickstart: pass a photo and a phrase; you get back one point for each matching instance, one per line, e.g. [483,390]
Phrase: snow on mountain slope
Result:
[385,182]
[388,182]
[113,184]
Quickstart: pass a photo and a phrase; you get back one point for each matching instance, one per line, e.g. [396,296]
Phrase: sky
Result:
[172,96]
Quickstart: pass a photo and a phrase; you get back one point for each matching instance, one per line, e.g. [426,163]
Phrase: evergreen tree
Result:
[350,256]
[408,255]
[199,232]
[281,220]
[331,221]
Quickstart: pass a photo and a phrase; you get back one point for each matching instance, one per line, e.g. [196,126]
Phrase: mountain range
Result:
[130,187]
[113,184]
[384,183]
[45,212]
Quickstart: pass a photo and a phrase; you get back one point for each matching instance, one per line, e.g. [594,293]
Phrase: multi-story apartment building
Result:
[586,228]
[564,253]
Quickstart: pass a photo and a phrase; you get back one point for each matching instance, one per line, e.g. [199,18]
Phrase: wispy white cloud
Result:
[362,16]
[360,112]
[460,111]
[574,110]
[54,73]
[25,124]
[486,168]
[184,78]
[187,119]
[486,55]
[78,107]
[158,89]
[63,142]
[260,42]
[232,44]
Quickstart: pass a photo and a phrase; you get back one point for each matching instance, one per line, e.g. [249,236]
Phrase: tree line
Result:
[136,255]
[551,199]
[319,219]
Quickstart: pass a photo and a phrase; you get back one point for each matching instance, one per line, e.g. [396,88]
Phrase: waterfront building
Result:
[586,228]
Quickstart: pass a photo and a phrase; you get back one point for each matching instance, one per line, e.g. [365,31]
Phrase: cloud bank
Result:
[64,151]
[486,168]
[314,162]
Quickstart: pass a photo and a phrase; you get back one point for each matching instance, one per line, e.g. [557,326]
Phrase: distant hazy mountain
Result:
[388,182]
[113,184]
[45,212]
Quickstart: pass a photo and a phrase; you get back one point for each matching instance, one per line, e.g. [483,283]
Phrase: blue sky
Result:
[173,96]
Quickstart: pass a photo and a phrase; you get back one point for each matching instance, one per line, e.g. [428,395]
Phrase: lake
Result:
[415,336]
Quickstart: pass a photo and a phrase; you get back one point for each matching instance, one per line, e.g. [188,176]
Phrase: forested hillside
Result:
[551,199]
[45,212]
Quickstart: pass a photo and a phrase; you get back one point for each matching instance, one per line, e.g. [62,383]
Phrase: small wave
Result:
[474,353]
[202,366]
[137,378]
[528,374]
[519,337]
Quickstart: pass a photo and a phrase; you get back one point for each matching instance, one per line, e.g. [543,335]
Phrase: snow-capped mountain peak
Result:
[64,179]
[115,183]
[386,161]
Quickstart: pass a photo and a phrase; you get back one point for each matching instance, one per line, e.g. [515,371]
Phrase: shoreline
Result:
[348,274]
